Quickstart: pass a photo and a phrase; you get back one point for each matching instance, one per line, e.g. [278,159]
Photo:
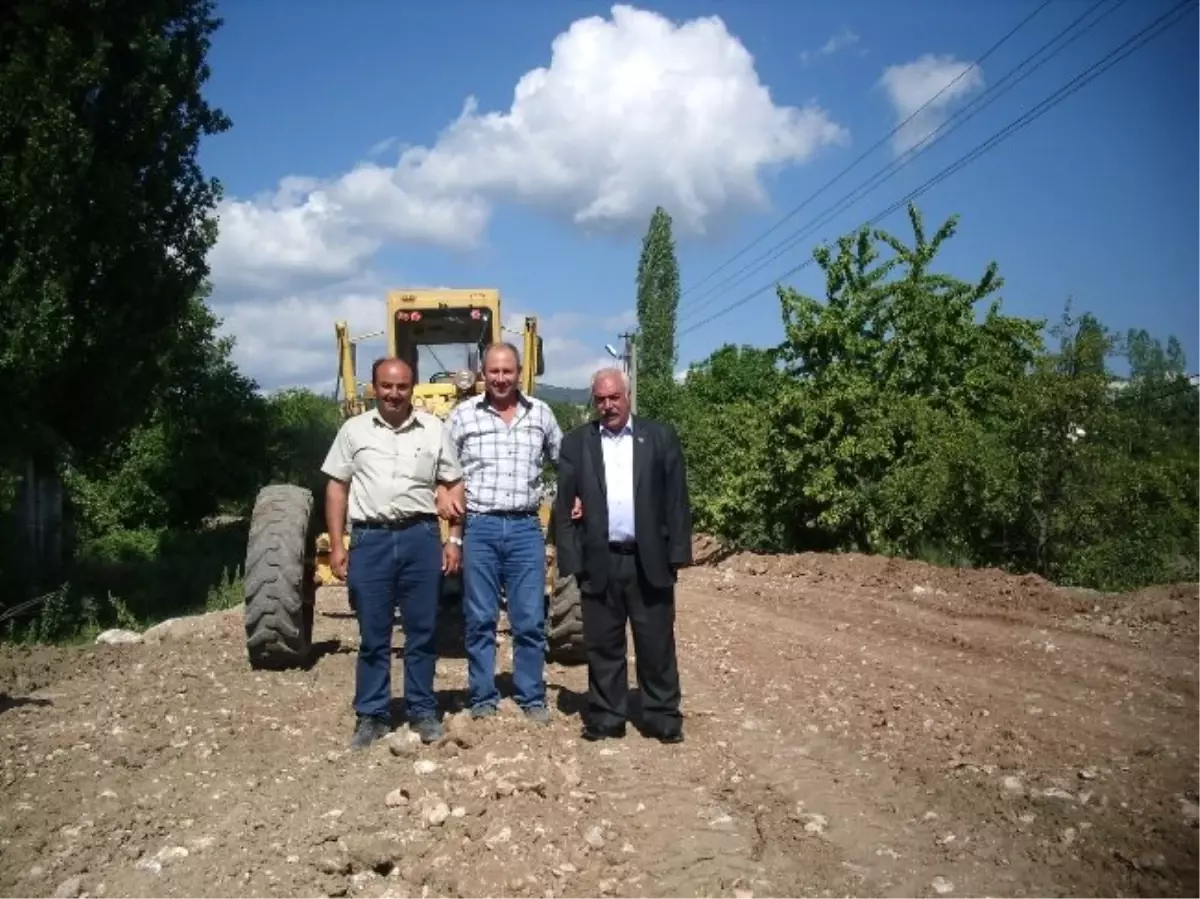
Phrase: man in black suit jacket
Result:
[634,533]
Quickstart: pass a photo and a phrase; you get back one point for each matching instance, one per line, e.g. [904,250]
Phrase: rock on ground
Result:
[846,734]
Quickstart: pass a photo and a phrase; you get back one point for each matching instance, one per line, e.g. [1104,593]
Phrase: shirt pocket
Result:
[423,462]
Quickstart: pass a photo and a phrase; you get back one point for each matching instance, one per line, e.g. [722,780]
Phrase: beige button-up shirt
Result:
[393,471]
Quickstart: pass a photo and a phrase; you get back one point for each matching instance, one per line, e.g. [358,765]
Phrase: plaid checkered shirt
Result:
[502,464]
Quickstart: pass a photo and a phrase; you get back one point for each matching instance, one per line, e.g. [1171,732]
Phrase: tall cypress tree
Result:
[657,302]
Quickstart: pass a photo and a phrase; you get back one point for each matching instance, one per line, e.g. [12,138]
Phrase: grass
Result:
[134,579]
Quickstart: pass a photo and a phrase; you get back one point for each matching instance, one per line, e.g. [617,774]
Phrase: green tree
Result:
[878,369]
[1106,493]
[204,444]
[303,426]
[107,216]
[657,304]
[723,415]
[898,416]
[1149,361]
[568,415]
[1159,394]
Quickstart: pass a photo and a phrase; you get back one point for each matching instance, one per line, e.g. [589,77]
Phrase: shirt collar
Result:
[485,401]
[411,421]
[627,428]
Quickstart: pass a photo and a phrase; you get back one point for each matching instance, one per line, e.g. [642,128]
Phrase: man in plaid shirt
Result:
[502,440]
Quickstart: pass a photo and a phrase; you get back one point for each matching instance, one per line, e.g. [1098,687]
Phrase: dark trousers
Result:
[651,613]
[386,568]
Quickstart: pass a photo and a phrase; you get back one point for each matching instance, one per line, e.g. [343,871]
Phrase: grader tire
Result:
[278,584]
[564,632]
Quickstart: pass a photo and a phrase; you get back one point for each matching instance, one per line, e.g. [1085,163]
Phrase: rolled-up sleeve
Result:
[554,436]
[339,461]
[454,425]
[449,468]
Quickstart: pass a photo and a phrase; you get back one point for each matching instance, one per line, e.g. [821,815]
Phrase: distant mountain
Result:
[577,396]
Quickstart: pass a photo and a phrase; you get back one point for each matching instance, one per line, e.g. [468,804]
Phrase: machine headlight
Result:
[464,380]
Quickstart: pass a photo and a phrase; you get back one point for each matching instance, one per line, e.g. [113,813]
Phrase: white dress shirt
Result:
[617,447]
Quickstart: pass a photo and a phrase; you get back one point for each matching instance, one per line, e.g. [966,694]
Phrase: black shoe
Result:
[368,730]
[668,736]
[664,733]
[428,728]
[593,732]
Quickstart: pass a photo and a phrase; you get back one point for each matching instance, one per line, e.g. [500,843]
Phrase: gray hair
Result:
[611,372]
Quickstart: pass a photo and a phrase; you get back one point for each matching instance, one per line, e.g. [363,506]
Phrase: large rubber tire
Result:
[279,588]
[564,624]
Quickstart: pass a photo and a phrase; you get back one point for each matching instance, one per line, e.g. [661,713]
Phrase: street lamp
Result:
[628,360]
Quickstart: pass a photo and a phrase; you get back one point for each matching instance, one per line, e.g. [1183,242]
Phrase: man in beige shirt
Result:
[385,468]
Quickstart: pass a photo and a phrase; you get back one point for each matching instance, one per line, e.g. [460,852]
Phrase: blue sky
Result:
[355,163]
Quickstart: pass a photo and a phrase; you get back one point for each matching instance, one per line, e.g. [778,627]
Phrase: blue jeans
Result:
[510,551]
[386,568]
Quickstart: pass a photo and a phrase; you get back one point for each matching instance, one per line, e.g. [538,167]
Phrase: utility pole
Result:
[628,359]
[633,372]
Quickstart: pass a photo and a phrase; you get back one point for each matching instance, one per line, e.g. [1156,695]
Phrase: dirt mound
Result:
[885,572]
[1175,605]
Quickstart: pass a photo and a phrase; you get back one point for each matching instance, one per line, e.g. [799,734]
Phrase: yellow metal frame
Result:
[437,399]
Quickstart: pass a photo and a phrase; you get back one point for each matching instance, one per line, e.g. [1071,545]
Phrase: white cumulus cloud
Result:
[310,231]
[630,112]
[911,85]
[288,341]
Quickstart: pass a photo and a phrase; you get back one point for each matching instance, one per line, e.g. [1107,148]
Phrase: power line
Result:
[952,123]
[873,147]
[1158,26]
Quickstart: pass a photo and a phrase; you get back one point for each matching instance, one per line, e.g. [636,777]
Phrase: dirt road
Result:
[854,727]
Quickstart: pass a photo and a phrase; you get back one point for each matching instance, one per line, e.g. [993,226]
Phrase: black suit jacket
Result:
[662,511]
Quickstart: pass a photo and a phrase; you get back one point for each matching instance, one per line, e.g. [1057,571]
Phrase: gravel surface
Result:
[854,726]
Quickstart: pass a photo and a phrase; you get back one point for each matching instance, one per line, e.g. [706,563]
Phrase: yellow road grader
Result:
[442,334]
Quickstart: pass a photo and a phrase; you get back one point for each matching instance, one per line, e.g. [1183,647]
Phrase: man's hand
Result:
[449,502]
[339,564]
[577,510]
[451,558]
[339,560]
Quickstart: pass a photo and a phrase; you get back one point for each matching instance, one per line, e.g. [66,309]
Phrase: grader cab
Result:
[442,334]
